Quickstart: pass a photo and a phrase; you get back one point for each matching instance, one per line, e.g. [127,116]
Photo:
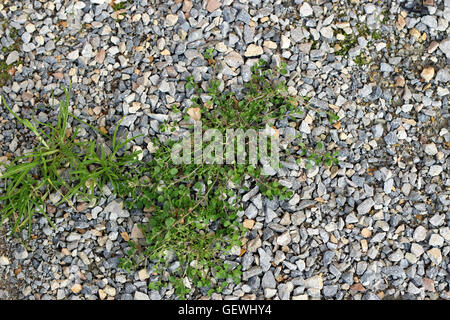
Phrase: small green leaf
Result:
[169,222]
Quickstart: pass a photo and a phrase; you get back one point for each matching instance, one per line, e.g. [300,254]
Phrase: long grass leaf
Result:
[17,169]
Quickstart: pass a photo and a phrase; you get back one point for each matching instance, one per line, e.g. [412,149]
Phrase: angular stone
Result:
[365,91]
[187,6]
[194,114]
[115,208]
[365,206]
[12,57]
[264,259]
[269,293]
[269,44]
[429,21]
[420,234]
[171,20]
[4,261]
[391,138]
[268,281]
[327,32]
[285,42]
[254,271]
[297,34]
[428,284]
[164,86]
[21,254]
[73,237]
[388,184]
[396,256]
[400,81]
[315,282]
[73,55]
[437,220]
[306,10]
[351,219]
[87,51]
[194,36]
[427,73]
[140,296]
[416,249]
[248,224]
[377,131]
[330,291]
[435,170]
[285,290]
[251,212]
[270,215]
[298,218]
[385,67]
[284,239]
[213,5]
[254,244]
[110,291]
[306,203]
[395,271]
[435,255]
[304,127]
[143,274]
[431,149]
[102,294]
[253,51]
[76,288]
[401,23]
[436,240]
[154,295]
[234,59]
[136,232]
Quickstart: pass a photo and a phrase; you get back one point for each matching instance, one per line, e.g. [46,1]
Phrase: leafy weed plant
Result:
[193,209]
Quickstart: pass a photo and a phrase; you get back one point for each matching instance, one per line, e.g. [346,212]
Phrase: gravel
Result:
[374,226]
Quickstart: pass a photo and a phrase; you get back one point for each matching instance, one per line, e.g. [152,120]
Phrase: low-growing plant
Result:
[193,208]
[376,35]
[189,217]
[345,45]
[117,6]
[351,40]
[361,59]
[60,164]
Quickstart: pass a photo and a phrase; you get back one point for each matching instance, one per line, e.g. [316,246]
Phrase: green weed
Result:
[192,208]
[118,6]
[346,44]
[60,164]
[361,59]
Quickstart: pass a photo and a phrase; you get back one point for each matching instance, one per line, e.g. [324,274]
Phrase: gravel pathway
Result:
[373,227]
